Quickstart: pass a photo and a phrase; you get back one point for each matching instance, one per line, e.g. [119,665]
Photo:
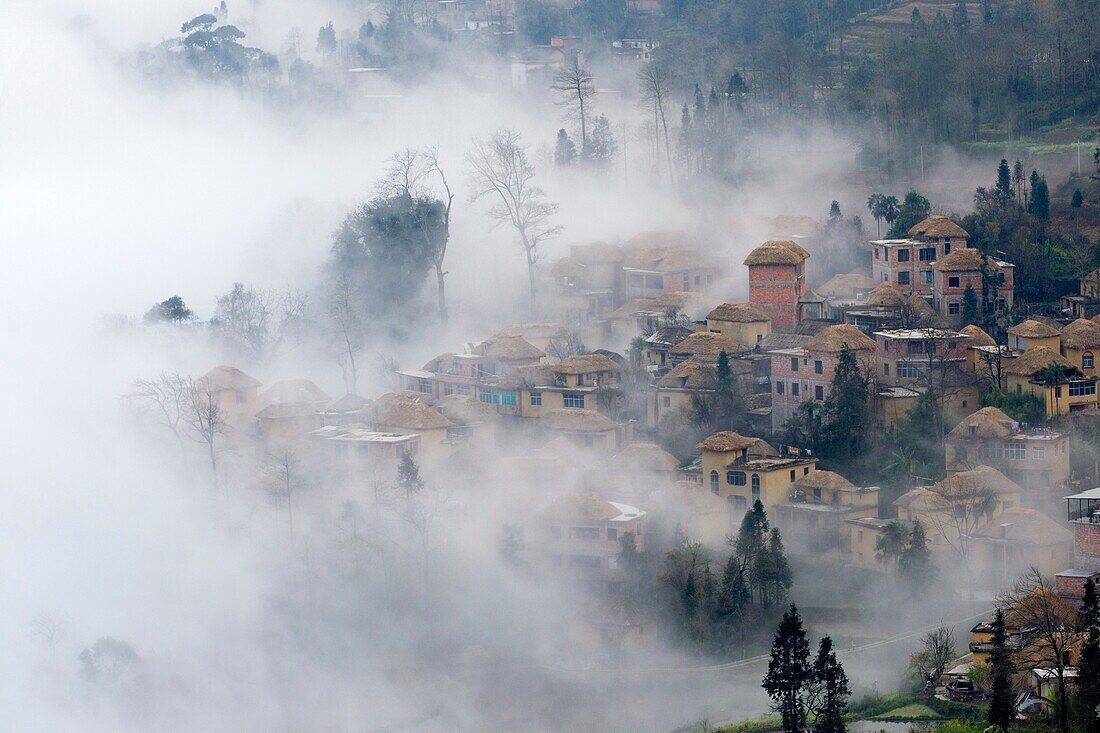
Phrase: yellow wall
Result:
[775,483]
[678,401]
[862,542]
[433,445]
[1056,404]
[748,334]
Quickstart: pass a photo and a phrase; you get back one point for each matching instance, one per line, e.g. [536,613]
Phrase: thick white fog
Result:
[114,195]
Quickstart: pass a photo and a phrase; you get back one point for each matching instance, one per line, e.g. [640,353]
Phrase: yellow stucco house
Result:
[744,323]
[408,414]
[729,471]
[1045,373]
[1032,334]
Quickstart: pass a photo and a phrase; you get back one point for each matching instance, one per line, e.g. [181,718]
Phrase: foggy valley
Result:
[595,365]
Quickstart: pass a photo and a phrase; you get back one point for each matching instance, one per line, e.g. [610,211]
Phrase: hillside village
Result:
[654,416]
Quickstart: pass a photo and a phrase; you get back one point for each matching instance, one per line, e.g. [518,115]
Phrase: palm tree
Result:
[891,544]
[882,207]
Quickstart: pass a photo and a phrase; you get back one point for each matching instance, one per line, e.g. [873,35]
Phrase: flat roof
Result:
[416,373]
[360,435]
[894,242]
[1077,573]
[626,512]
[1089,494]
[921,333]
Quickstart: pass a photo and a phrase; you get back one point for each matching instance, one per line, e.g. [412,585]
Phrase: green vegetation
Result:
[913,711]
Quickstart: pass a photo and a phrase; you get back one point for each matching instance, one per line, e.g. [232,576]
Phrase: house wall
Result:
[238,407]
[661,402]
[775,289]
[861,543]
[999,563]
[1086,543]
[283,432]
[892,409]
[1019,343]
[748,334]
[775,483]
[599,556]
[433,445]
[1056,398]
[1041,470]
[1077,356]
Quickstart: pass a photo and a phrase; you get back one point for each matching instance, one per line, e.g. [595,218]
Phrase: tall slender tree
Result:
[789,671]
[830,690]
[1001,711]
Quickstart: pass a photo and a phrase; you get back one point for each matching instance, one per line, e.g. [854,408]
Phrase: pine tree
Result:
[408,476]
[1087,697]
[789,671]
[565,152]
[969,305]
[1089,613]
[915,562]
[831,690]
[1002,710]
[1039,206]
[1003,188]
[847,408]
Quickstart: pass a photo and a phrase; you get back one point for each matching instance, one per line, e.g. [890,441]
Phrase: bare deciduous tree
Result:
[564,344]
[204,416]
[49,627]
[936,652]
[576,88]
[258,321]
[1032,604]
[283,470]
[166,398]
[406,174]
[503,171]
[654,93]
[346,325]
[963,505]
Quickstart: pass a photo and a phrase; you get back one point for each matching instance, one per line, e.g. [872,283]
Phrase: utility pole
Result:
[922,163]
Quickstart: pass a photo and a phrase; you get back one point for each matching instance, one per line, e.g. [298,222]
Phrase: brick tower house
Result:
[777,280]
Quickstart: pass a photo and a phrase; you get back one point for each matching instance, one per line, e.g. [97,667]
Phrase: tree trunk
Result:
[441,291]
[584,128]
[1063,703]
[530,273]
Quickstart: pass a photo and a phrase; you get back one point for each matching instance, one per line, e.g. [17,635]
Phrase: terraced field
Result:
[866,31]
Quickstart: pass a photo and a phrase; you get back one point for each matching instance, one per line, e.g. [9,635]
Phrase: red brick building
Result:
[1084,517]
[777,281]
[806,373]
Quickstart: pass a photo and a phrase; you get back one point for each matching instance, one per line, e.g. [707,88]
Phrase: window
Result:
[953,281]
[903,255]
[536,399]
[497,396]
[463,389]
[926,277]
[916,347]
[666,401]
[817,493]
[903,278]
[859,535]
[806,471]
[584,533]
[448,389]
[876,253]
[795,389]
[792,476]
[794,364]
[908,370]
[886,369]
[818,367]
[779,387]
[572,399]
[698,280]
[612,534]
[1038,454]
[687,283]
[425,386]
[947,246]
[953,309]
[714,482]
[1015,452]
[819,393]
[736,478]
[612,564]
[927,254]
[1087,360]
[755,488]
[739,503]
[1082,389]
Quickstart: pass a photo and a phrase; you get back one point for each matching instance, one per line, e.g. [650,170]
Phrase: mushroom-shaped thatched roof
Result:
[575,420]
[978,337]
[970,483]
[705,344]
[509,348]
[1033,329]
[294,390]
[738,313]
[963,259]
[846,285]
[1081,334]
[726,441]
[404,411]
[832,339]
[886,295]
[586,506]
[937,225]
[823,480]
[1034,359]
[227,377]
[690,374]
[777,252]
[1028,526]
[922,500]
[988,422]
[466,410]
[584,364]
[645,457]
